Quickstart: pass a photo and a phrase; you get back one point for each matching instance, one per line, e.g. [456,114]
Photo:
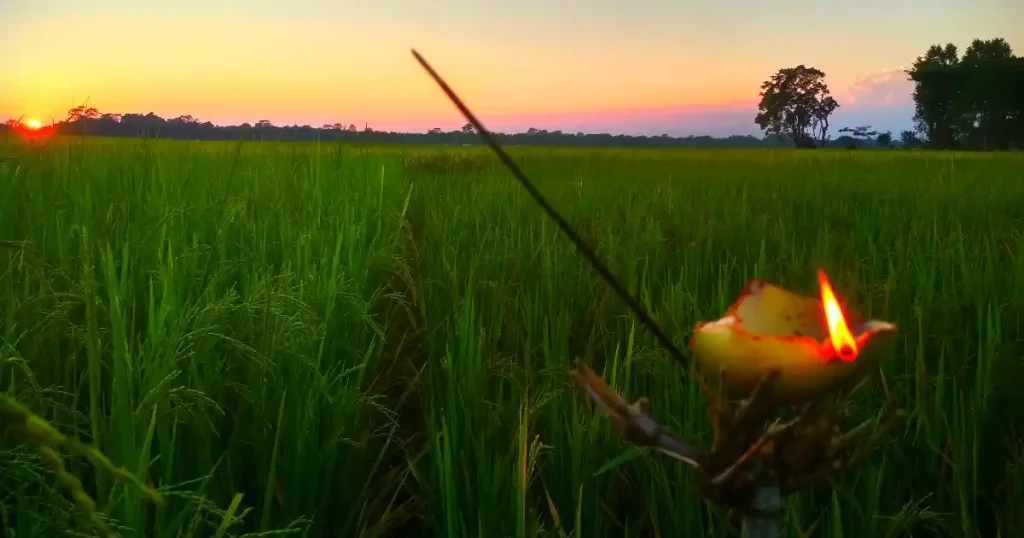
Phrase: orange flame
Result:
[842,340]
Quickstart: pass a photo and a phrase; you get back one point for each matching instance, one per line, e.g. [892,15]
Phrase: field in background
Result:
[373,341]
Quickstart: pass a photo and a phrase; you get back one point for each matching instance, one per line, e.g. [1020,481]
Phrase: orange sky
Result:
[315,62]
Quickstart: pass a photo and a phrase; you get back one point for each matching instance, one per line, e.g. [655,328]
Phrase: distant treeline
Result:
[86,120]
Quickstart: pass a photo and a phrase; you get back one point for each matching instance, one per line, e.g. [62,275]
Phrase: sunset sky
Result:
[638,66]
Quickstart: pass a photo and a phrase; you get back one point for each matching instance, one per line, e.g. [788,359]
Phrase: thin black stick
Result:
[582,247]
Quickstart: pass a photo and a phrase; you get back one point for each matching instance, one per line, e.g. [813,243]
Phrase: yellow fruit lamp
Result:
[815,348]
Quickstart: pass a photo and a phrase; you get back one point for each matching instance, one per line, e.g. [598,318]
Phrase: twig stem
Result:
[766,521]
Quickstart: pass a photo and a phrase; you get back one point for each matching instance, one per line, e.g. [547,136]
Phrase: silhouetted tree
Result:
[796,102]
[860,136]
[938,85]
[909,139]
[82,112]
[987,103]
[467,129]
[975,101]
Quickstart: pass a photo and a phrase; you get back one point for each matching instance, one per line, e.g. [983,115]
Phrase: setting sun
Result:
[33,124]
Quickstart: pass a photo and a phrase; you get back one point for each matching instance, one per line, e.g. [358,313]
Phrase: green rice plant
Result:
[31,429]
[686,236]
[310,339]
[447,163]
[213,334]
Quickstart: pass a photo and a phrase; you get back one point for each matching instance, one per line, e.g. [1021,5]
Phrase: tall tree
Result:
[986,103]
[796,102]
[975,101]
[938,86]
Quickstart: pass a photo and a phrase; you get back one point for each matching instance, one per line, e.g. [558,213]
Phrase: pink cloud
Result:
[889,88]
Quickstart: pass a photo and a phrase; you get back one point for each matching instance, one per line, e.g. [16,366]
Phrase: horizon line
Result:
[5,124]
[517,120]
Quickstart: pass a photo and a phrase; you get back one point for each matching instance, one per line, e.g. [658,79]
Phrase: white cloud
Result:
[889,88]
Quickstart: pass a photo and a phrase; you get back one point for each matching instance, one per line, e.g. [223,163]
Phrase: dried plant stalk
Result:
[754,462]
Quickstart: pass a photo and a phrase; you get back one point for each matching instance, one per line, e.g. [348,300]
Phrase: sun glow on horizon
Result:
[33,124]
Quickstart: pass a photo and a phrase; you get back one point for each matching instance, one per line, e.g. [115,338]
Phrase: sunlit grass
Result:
[360,341]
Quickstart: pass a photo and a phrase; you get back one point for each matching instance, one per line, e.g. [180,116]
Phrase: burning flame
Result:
[842,340]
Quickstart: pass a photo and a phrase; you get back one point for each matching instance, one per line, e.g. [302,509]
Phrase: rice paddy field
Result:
[336,340]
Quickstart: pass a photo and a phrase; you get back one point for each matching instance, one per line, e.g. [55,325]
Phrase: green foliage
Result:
[290,339]
[32,430]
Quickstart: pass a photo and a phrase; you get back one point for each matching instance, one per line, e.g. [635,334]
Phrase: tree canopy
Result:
[796,103]
[973,101]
